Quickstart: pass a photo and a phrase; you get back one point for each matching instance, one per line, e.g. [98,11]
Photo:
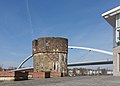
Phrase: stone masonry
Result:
[116,61]
[50,54]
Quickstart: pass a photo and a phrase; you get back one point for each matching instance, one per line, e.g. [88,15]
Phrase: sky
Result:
[80,21]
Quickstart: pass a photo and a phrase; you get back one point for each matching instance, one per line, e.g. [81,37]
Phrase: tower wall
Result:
[50,54]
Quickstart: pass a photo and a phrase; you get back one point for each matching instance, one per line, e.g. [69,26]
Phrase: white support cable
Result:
[26,59]
[71,47]
[92,49]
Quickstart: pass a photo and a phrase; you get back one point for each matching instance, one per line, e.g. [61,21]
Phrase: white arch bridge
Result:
[76,63]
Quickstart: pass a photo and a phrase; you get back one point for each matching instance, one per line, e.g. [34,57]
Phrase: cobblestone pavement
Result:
[67,81]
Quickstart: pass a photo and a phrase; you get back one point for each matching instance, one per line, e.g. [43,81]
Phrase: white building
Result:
[113,18]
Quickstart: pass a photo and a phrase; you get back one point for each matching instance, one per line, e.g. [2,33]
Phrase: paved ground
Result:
[68,81]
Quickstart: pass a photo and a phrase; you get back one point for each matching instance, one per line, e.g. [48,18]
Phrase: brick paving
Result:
[68,81]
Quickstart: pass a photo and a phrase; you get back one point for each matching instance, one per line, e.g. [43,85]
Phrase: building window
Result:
[54,67]
[117,20]
[62,58]
[117,35]
[46,45]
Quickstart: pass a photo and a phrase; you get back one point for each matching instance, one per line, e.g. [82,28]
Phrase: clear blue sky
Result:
[78,20]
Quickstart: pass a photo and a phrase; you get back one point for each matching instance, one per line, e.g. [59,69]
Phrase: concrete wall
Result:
[116,61]
[50,54]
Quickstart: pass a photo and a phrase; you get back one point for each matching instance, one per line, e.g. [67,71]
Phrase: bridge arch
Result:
[91,49]
[70,47]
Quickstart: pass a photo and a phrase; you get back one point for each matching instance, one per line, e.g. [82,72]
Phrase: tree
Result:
[1,67]
[104,71]
[11,68]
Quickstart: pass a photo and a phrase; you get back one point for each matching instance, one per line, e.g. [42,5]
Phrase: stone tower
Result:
[113,18]
[50,54]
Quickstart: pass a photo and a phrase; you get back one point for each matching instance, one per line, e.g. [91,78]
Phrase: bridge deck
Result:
[90,63]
